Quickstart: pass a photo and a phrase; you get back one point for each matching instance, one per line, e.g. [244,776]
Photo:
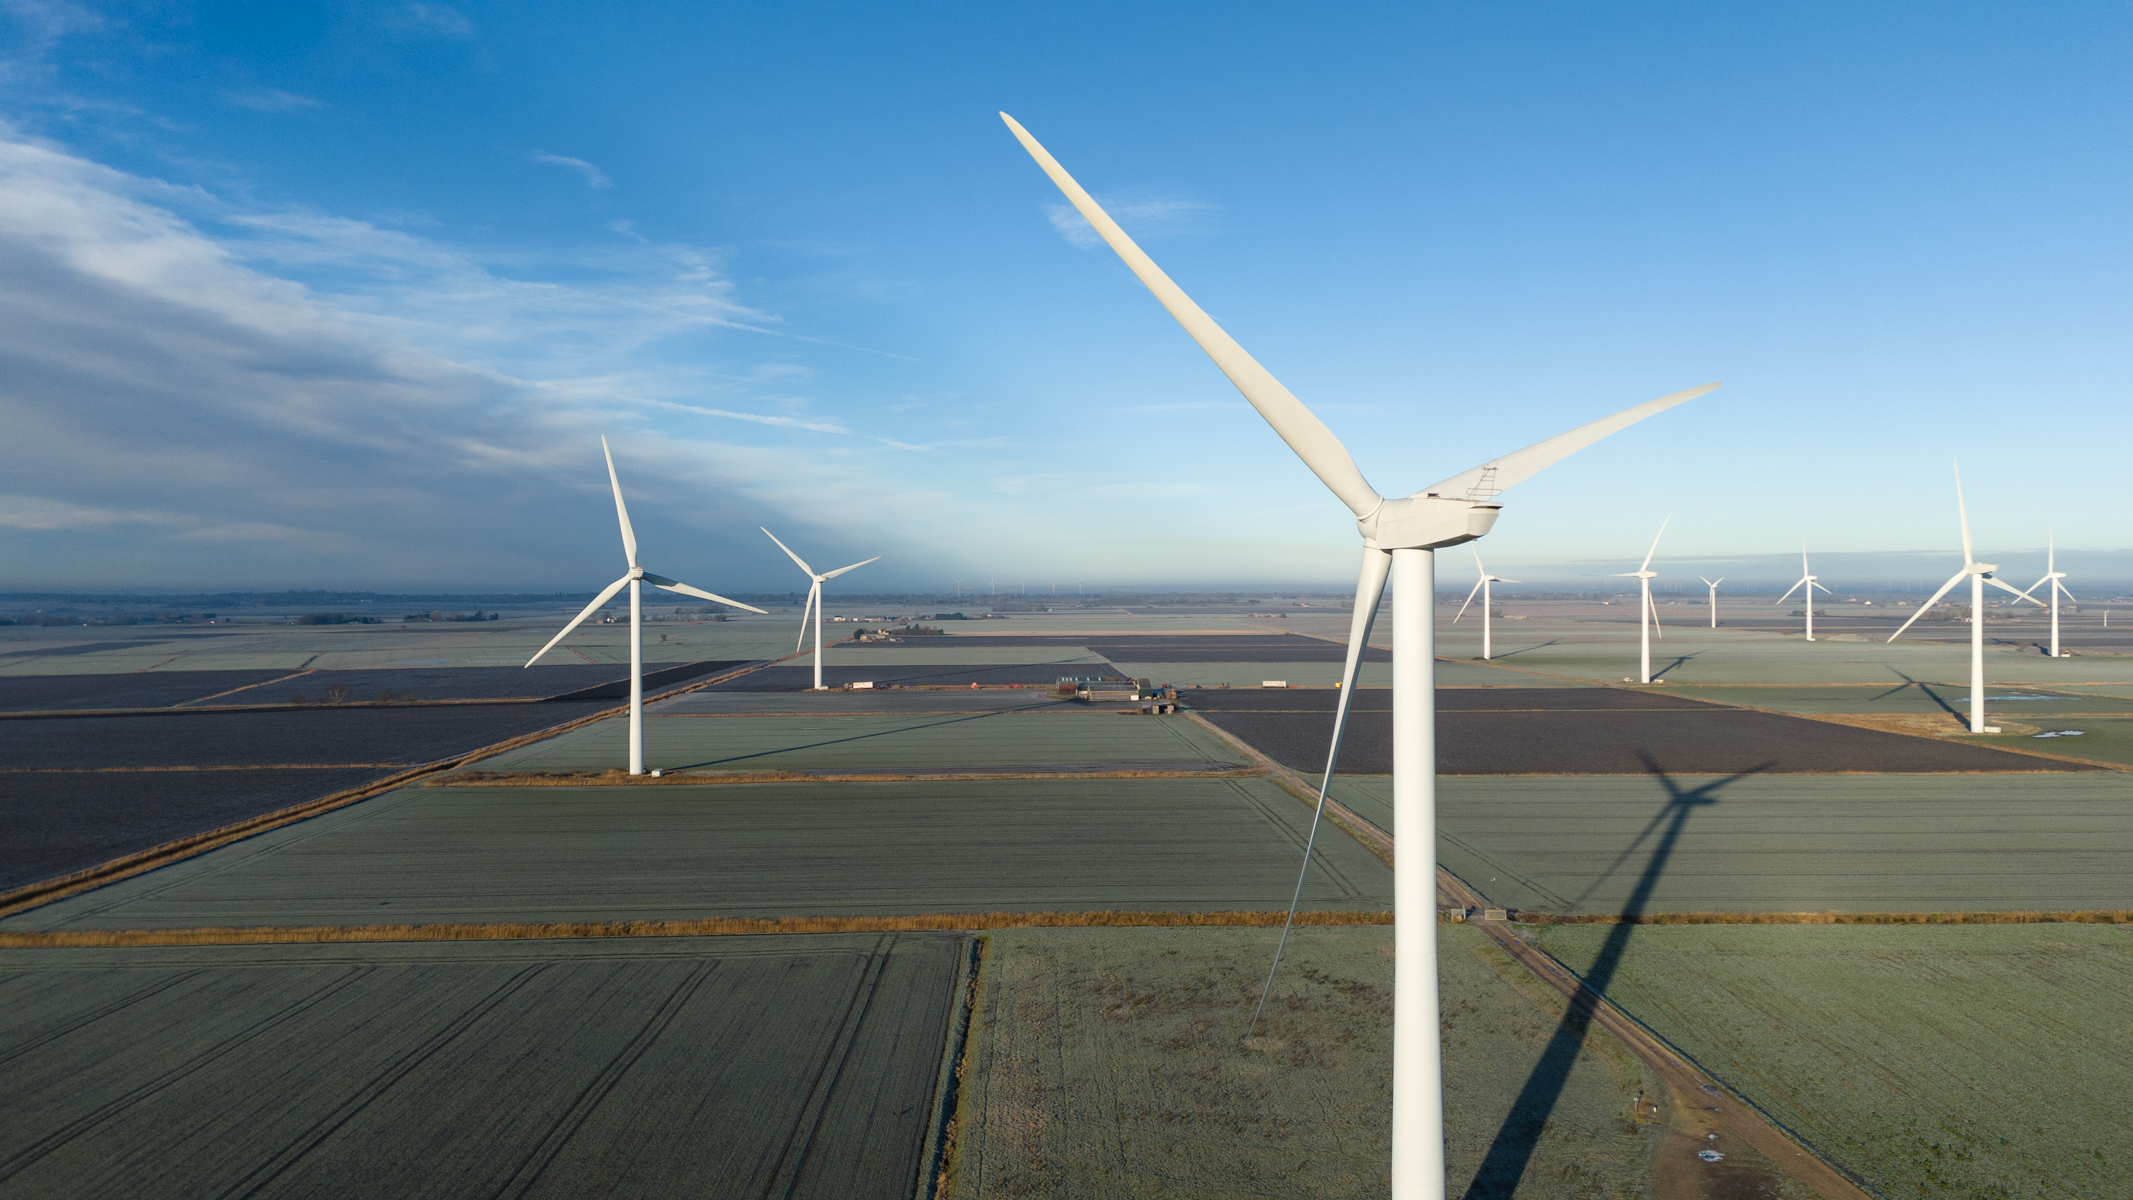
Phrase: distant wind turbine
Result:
[1980,574]
[637,575]
[814,599]
[1481,585]
[1713,585]
[1648,619]
[1807,580]
[1401,535]
[2053,575]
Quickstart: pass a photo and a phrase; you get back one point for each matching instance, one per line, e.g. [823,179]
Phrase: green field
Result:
[1107,1062]
[684,1067]
[663,852]
[1085,738]
[1900,697]
[1782,843]
[1932,1061]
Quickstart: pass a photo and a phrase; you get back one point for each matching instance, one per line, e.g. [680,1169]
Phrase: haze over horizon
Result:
[340,297]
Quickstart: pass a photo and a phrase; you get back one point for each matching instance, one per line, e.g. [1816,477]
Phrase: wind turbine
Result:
[1400,537]
[1713,585]
[814,599]
[1648,619]
[1807,580]
[634,579]
[2053,574]
[1481,585]
[1980,574]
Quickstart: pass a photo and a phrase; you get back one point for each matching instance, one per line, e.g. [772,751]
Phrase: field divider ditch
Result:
[2085,916]
[259,935]
[615,777]
[141,861]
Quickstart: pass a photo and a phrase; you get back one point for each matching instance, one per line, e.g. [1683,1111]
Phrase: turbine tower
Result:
[1400,537]
[2053,574]
[1980,574]
[1649,617]
[1481,585]
[1807,580]
[814,599]
[636,577]
[1713,585]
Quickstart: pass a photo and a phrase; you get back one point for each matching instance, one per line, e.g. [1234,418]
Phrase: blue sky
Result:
[342,294]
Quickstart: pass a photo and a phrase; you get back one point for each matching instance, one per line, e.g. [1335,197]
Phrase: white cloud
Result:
[1142,217]
[435,20]
[43,512]
[594,176]
[196,417]
[271,100]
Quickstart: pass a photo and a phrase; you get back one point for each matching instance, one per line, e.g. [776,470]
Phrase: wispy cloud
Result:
[436,20]
[1142,216]
[43,512]
[271,100]
[758,418]
[594,176]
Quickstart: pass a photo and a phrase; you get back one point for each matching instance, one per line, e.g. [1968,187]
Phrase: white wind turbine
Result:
[1713,585]
[1648,619]
[1807,580]
[1400,537]
[1980,574]
[634,578]
[1481,585]
[2053,574]
[814,599]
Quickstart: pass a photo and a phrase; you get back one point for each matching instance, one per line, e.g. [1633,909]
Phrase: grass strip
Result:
[616,777]
[701,927]
[2093,916]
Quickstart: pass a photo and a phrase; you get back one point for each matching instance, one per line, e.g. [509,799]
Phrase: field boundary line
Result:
[141,861]
[244,688]
[937,1161]
[265,935]
[615,777]
[1375,840]
[2016,916]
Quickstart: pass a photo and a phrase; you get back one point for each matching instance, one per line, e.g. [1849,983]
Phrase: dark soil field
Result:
[1548,731]
[1155,648]
[165,689]
[1324,700]
[150,689]
[77,791]
[805,1067]
[58,823]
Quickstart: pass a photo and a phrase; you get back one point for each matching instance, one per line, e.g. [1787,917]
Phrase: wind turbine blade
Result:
[806,609]
[788,552]
[1789,591]
[1811,591]
[1658,630]
[622,512]
[1486,480]
[1958,578]
[1655,544]
[1469,599]
[2063,591]
[855,566]
[661,581]
[1962,510]
[578,620]
[1501,579]
[1297,425]
[1369,589]
[2008,587]
[2034,586]
[2051,551]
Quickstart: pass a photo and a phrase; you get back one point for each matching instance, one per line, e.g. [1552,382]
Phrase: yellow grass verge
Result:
[2018,917]
[705,927]
[616,777]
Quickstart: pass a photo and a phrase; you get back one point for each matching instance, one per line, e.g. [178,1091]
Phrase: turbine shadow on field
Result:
[1679,662]
[1505,1164]
[1525,649]
[1925,688]
[857,737]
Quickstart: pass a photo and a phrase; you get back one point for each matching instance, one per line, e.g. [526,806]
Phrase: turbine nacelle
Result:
[1426,522]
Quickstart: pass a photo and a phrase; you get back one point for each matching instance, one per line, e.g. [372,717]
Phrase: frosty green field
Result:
[1932,1061]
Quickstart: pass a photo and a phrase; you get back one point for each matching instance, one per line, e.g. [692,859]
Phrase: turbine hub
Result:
[636,573]
[1426,523]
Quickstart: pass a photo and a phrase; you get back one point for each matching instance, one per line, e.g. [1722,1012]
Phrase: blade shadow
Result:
[1525,649]
[1505,1164]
